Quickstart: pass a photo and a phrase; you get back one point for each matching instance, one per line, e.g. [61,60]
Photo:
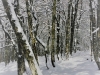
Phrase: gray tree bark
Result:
[22,38]
[53,33]
[95,39]
[20,56]
[98,34]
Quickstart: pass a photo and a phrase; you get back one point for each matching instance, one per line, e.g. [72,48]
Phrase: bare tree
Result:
[24,44]
[53,33]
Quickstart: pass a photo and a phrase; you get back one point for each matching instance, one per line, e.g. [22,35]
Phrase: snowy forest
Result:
[49,37]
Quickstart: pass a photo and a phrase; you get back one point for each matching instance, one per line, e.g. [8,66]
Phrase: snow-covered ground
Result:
[78,64]
[10,69]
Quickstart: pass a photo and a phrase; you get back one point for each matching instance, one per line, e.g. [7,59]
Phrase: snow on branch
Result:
[41,42]
[95,30]
[7,34]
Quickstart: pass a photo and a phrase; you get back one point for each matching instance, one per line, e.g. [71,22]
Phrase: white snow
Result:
[95,30]
[9,69]
[41,41]
[78,64]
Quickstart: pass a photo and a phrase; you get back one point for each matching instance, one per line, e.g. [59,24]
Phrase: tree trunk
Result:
[68,29]
[30,24]
[21,37]
[98,34]
[53,33]
[58,28]
[20,61]
[73,21]
[94,36]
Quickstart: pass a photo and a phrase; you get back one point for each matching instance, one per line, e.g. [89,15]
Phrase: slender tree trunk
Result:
[73,21]
[95,44]
[68,29]
[61,46]
[30,24]
[53,33]
[20,61]
[58,28]
[98,34]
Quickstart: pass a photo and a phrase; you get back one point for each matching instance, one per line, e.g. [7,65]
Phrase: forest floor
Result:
[78,64]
